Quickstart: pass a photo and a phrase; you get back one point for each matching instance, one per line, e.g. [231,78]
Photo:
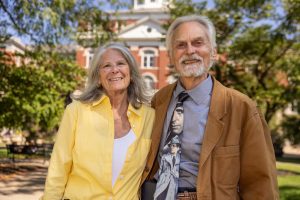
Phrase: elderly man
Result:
[226,151]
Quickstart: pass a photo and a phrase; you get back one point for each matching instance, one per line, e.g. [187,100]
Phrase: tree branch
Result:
[10,16]
[271,65]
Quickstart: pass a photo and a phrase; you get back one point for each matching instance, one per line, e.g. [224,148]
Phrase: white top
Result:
[121,146]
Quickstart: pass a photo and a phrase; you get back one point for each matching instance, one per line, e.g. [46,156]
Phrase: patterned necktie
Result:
[167,184]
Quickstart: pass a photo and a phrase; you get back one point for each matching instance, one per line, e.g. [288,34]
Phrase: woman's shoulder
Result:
[76,105]
[146,111]
[147,108]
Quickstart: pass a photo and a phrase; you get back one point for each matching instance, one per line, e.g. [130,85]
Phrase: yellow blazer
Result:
[237,158]
[81,161]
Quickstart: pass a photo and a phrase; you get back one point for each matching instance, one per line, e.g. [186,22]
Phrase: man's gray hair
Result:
[94,89]
[205,21]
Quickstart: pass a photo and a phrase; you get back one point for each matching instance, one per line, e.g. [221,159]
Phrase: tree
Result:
[291,127]
[258,44]
[32,94]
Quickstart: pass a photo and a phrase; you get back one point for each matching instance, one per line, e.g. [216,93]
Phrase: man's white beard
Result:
[194,69]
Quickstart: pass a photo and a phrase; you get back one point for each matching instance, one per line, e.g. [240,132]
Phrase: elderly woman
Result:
[104,137]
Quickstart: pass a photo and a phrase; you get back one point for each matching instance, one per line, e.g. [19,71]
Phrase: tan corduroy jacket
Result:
[237,158]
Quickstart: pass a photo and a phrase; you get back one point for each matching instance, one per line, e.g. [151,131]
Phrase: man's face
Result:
[177,121]
[174,149]
[191,51]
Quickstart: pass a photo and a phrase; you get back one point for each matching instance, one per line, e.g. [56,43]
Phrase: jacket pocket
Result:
[226,165]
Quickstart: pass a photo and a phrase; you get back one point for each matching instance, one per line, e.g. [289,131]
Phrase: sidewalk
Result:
[22,180]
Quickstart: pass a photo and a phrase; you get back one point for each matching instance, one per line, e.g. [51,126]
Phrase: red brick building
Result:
[11,48]
[141,30]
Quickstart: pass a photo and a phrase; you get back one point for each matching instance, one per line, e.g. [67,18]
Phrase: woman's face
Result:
[114,72]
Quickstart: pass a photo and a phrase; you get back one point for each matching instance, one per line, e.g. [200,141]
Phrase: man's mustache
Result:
[193,57]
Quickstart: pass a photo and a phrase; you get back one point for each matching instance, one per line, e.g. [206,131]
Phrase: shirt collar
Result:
[104,99]
[199,92]
[138,112]
[101,100]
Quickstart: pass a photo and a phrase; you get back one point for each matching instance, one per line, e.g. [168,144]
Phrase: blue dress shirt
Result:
[196,109]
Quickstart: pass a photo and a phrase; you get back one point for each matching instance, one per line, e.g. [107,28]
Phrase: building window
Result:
[149,82]
[89,56]
[148,59]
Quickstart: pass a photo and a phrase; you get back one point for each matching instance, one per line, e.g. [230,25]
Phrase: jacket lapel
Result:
[214,125]
[160,103]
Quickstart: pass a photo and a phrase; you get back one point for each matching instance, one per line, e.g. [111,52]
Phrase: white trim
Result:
[134,48]
[139,30]
[142,55]
[141,21]
[149,4]
[162,48]
[152,88]
[141,51]
[88,56]
[151,75]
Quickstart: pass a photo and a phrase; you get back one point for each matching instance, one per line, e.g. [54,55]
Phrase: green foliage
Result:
[3,152]
[186,6]
[288,166]
[288,180]
[32,94]
[258,46]
[55,22]
[289,187]
[291,127]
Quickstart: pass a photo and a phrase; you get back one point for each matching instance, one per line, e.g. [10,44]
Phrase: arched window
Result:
[149,82]
[89,53]
[148,59]
[90,57]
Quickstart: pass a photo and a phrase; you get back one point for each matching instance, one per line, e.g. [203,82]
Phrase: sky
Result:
[210,4]
[107,6]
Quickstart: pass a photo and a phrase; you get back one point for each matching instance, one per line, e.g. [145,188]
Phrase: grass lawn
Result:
[3,152]
[3,155]
[289,178]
